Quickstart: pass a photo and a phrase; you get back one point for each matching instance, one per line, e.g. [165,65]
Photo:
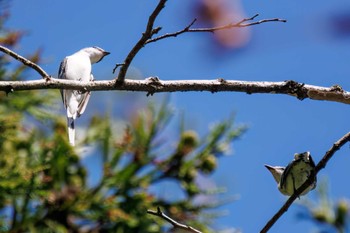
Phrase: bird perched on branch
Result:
[78,67]
[290,178]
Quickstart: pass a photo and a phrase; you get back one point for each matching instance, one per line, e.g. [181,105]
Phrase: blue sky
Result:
[310,48]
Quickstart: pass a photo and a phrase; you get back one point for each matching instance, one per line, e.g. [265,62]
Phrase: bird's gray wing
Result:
[62,69]
[312,164]
[285,174]
[62,75]
[83,103]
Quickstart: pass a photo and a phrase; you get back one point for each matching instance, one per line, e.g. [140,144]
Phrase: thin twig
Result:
[175,224]
[239,24]
[116,66]
[152,85]
[149,32]
[174,34]
[323,162]
[25,61]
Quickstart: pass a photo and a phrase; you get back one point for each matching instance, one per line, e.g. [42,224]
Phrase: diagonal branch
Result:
[323,162]
[239,24]
[25,61]
[175,224]
[149,32]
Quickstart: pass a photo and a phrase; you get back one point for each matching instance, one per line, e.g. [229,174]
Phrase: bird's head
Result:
[306,157]
[95,53]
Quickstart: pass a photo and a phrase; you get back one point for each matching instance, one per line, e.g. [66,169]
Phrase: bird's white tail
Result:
[71,130]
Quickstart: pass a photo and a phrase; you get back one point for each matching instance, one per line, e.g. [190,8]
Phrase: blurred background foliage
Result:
[329,215]
[44,185]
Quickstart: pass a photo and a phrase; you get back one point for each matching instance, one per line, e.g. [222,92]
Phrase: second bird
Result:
[290,178]
[78,67]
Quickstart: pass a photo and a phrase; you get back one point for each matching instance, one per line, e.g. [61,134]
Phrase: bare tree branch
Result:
[323,162]
[239,24]
[154,85]
[175,224]
[25,61]
[145,36]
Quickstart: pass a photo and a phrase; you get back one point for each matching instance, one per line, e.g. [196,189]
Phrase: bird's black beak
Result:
[104,54]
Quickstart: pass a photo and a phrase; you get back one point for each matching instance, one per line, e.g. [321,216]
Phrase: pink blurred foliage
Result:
[222,12]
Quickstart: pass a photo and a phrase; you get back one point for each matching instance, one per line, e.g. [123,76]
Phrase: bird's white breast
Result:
[78,67]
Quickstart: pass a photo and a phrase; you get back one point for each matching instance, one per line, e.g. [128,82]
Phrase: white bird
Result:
[78,67]
[290,178]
